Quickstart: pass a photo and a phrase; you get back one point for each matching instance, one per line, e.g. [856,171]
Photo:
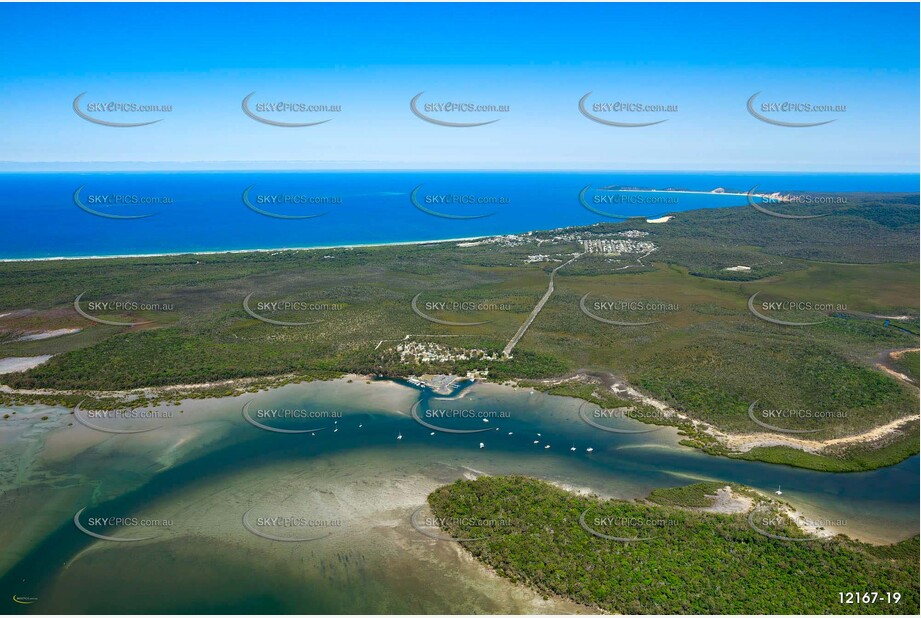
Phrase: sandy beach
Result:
[235,251]
[13,364]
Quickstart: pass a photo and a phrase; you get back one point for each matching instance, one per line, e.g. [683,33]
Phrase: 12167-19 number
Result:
[867,598]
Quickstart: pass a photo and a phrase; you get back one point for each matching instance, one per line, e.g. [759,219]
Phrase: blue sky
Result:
[539,60]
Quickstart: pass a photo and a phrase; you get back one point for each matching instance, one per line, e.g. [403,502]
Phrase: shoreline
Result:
[401,243]
[226,407]
[687,192]
[736,443]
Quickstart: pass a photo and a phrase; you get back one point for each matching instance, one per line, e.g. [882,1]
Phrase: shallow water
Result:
[357,484]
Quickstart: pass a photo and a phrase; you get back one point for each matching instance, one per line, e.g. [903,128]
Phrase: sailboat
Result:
[778,492]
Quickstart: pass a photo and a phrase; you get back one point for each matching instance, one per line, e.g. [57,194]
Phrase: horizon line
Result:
[9,167]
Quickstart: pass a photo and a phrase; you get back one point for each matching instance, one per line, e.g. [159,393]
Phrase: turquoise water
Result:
[365,477]
[206,211]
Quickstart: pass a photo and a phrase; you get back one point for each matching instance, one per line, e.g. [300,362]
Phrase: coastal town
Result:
[610,244]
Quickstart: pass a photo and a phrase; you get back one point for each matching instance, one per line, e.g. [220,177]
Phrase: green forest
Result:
[691,562]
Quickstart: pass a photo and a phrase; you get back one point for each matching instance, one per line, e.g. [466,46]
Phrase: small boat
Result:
[399,436]
[573,447]
[485,420]
[536,441]
[778,492]
[510,433]
[482,445]
[432,433]
[548,446]
[589,450]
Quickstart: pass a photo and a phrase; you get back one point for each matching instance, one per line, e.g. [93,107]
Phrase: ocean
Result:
[49,215]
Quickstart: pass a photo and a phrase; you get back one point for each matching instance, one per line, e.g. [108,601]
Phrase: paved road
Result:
[540,305]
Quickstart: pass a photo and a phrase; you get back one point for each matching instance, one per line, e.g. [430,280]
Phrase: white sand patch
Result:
[631,393]
[472,474]
[48,334]
[664,219]
[628,447]
[727,501]
[815,527]
[738,268]
[579,491]
[745,442]
[21,363]
[894,373]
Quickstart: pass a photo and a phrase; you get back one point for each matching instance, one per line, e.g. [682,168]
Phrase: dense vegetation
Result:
[692,563]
